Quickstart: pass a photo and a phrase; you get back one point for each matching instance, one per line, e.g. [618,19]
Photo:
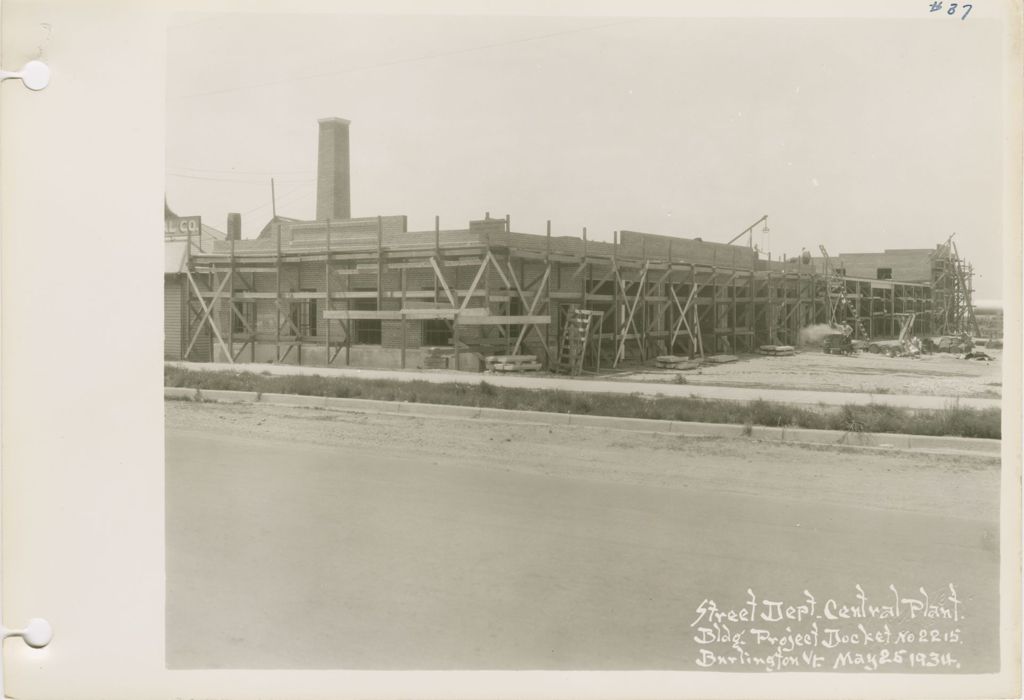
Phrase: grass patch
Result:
[871,418]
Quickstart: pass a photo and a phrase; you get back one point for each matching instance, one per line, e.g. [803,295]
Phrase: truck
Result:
[839,343]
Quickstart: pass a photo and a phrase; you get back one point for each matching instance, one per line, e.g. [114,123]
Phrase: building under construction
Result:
[367,292]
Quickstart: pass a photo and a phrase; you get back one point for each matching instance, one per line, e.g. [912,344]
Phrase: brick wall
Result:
[634,244]
[906,265]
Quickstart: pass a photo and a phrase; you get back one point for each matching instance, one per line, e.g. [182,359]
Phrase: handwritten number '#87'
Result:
[952,10]
[937,5]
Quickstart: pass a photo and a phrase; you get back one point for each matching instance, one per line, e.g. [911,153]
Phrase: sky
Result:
[858,134]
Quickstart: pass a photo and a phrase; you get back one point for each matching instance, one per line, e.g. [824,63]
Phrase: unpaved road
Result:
[301,538]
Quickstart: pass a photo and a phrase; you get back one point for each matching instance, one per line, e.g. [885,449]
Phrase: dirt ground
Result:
[931,375]
[407,542]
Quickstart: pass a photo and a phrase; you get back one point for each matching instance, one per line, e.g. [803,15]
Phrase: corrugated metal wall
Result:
[173,314]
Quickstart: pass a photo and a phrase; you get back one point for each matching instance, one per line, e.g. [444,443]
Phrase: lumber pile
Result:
[437,358]
[721,359]
[512,363]
[777,350]
[674,362]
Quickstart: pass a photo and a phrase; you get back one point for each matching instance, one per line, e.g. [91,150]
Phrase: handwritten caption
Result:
[889,630]
[965,9]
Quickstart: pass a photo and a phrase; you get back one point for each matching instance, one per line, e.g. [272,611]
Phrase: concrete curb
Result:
[227,396]
[426,409]
[898,441]
[354,404]
[292,400]
[617,423]
[504,414]
[181,392]
[680,427]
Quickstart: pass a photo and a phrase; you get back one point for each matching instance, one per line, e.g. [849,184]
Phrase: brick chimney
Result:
[332,171]
[234,232]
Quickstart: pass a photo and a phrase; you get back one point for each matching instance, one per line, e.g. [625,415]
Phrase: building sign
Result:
[183,227]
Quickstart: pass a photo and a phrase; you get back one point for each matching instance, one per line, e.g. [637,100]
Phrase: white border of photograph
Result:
[82,409]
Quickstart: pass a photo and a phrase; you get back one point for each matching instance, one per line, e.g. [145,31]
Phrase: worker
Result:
[915,347]
[847,330]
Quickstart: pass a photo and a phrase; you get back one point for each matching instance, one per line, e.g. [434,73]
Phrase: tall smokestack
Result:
[332,171]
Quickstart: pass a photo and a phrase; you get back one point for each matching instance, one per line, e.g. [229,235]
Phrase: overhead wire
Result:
[234,171]
[286,197]
[251,181]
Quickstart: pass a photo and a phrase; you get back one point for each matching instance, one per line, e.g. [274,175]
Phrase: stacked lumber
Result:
[675,362]
[512,363]
[721,359]
[437,358]
[777,350]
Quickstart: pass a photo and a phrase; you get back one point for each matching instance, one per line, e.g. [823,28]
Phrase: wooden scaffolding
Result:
[323,294]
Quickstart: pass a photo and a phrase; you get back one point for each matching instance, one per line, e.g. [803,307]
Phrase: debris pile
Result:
[675,362]
[512,363]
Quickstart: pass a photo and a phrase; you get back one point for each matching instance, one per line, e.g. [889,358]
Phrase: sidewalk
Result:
[727,393]
[890,441]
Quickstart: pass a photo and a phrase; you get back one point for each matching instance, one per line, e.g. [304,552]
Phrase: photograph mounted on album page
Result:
[661,350]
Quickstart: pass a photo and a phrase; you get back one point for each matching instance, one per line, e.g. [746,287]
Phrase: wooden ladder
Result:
[576,337]
[861,331]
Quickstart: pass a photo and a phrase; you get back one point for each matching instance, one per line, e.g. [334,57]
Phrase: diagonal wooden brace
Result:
[207,316]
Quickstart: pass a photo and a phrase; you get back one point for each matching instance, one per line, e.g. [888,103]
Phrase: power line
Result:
[397,62]
[291,202]
[287,196]
[233,171]
[261,181]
